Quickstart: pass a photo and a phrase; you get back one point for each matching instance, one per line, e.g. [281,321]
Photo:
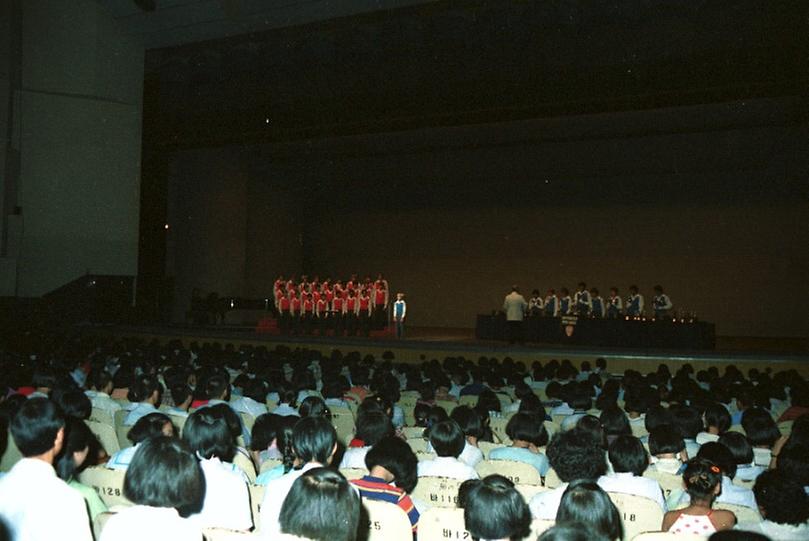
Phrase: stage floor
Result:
[434,343]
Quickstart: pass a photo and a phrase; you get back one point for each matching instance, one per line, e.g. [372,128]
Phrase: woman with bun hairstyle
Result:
[703,482]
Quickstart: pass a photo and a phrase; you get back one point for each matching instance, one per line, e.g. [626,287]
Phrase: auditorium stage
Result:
[432,343]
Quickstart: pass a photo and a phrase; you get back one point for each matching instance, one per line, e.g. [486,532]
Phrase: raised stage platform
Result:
[424,343]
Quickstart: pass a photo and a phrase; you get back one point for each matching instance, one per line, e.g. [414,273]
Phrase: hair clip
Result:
[715,469]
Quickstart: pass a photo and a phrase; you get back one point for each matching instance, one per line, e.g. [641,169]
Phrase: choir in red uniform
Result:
[306,306]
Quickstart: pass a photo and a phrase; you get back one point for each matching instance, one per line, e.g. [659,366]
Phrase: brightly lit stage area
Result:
[437,343]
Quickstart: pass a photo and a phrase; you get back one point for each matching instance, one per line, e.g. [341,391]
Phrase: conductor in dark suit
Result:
[514,306]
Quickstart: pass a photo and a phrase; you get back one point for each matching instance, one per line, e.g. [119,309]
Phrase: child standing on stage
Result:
[581,300]
[551,304]
[634,304]
[399,314]
[565,302]
[662,303]
[597,303]
[616,305]
[535,304]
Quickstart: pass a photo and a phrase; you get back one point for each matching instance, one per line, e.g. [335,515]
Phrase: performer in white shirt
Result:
[661,302]
[634,304]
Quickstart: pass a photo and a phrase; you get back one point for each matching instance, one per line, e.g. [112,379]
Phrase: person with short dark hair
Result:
[149,426]
[493,509]
[472,426]
[629,460]
[703,482]
[392,467]
[784,506]
[742,451]
[761,432]
[634,303]
[794,462]
[321,506]
[165,483]
[573,455]
[101,386]
[227,501]
[145,393]
[584,501]
[582,302]
[571,531]
[447,440]
[667,448]
[371,427]
[527,434]
[314,443]
[253,400]
[717,422]
[661,303]
[34,503]
[74,403]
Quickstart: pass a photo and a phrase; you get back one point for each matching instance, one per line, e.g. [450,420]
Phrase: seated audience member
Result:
[703,482]
[145,394]
[148,426]
[584,501]
[469,421]
[78,442]
[689,422]
[283,436]
[720,455]
[629,460]
[34,503]
[717,422]
[742,453]
[447,440]
[591,426]
[656,417]
[182,396]
[799,402]
[784,506]
[798,437]
[313,406]
[578,401]
[314,442]
[253,400]
[615,423]
[667,449]
[571,531]
[391,475]
[44,380]
[99,395]
[287,405]
[573,455]
[264,439]
[494,510]
[227,502]
[371,428]
[794,463]
[166,483]
[762,433]
[321,506]
[74,404]
[527,434]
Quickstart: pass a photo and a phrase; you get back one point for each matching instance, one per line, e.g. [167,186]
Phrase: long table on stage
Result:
[604,332]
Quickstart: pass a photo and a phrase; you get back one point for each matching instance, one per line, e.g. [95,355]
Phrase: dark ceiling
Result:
[454,62]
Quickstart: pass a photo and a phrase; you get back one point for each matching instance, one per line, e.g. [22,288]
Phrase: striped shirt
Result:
[375,488]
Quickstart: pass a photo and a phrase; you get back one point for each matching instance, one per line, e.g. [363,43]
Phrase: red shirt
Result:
[315,296]
[380,296]
[296,304]
[322,305]
[337,306]
[284,304]
[308,306]
[365,303]
[351,303]
[329,294]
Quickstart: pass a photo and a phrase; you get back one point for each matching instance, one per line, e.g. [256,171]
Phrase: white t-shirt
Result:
[274,496]
[447,466]
[36,505]
[627,483]
[152,523]
[354,457]
[544,505]
[227,500]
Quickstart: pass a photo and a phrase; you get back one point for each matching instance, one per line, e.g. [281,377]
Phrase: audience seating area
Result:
[437,498]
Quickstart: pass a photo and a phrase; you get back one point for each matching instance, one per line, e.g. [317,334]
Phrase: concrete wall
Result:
[77,128]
